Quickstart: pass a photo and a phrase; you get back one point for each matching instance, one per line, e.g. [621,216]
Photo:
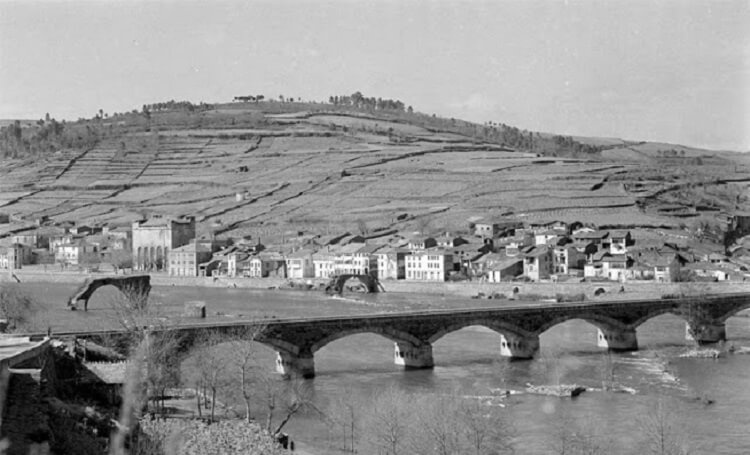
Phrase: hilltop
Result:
[265,168]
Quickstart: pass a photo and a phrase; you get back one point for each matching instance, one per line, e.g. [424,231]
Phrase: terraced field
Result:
[319,172]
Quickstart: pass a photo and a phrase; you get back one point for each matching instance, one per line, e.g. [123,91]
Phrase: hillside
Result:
[268,168]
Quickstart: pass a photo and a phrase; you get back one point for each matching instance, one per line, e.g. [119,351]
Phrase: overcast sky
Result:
[673,71]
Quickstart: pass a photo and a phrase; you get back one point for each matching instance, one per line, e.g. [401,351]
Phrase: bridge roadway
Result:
[519,326]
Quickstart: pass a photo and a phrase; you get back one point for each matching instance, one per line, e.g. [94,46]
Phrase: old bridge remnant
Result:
[297,340]
[135,288]
[336,285]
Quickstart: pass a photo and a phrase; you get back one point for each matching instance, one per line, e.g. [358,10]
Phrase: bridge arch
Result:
[656,312]
[734,311]
[391,334]
[500,327]
[599,321]
[135,288]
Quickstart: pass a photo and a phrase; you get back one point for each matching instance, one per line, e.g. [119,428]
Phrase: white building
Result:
[73,253]
[323,264]
[430,265]
[300,264]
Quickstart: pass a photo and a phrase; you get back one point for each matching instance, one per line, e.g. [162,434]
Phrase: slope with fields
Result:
[265,168]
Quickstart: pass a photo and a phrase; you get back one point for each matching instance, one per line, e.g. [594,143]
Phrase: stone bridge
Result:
[336,285]
[136,289]
[519,326]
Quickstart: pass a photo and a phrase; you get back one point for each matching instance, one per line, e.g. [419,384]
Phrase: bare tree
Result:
[121,259]
[484,428]
[152,344]
[296,396]
[579,438]
[16,306]
[206,367]
[662,434]
[433,432]
[345,414]
[243,363]
[389,421]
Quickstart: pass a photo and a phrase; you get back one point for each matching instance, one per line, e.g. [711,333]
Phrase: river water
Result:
[468,362]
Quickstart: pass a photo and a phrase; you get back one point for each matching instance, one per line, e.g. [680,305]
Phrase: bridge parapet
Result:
[519,326]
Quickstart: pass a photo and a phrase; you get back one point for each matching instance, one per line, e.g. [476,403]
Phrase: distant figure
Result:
[622,289]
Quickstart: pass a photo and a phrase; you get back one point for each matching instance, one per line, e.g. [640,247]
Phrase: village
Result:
[488,250]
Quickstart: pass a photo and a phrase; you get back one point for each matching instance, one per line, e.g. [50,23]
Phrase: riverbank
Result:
[546,290]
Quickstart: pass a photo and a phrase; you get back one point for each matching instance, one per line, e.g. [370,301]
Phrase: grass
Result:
[186,163]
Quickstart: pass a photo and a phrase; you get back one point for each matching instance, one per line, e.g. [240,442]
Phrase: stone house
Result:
[323,264]
[299,264]
[31,239]
[538,227]
[185,260]
[513,245]
[615,266]
[491,229]
[74,253]
[13,257]
[666,269]
[595,237]
[273,265]
[537,262]
[568,258]
[428,265]
[450,241]
[504,271]
[619,241]
[497,267]
[154,238]
[354,259]
[708,270]
[465,255]
[421,243]
[117,232]
[391,263]
[61,239]
[234,263]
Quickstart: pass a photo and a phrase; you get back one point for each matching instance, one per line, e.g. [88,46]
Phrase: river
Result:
[468,362]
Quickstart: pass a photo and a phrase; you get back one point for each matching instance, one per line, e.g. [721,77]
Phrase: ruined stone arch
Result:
[336,285]
[135,288]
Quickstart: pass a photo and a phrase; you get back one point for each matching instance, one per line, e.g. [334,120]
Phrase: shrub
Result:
[16,306]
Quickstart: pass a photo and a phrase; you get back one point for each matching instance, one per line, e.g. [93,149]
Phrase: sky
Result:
[673,71]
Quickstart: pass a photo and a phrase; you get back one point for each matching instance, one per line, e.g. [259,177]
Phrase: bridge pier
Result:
[411,356]
[295,365]
[617,339]
[519,347]
[705,332]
